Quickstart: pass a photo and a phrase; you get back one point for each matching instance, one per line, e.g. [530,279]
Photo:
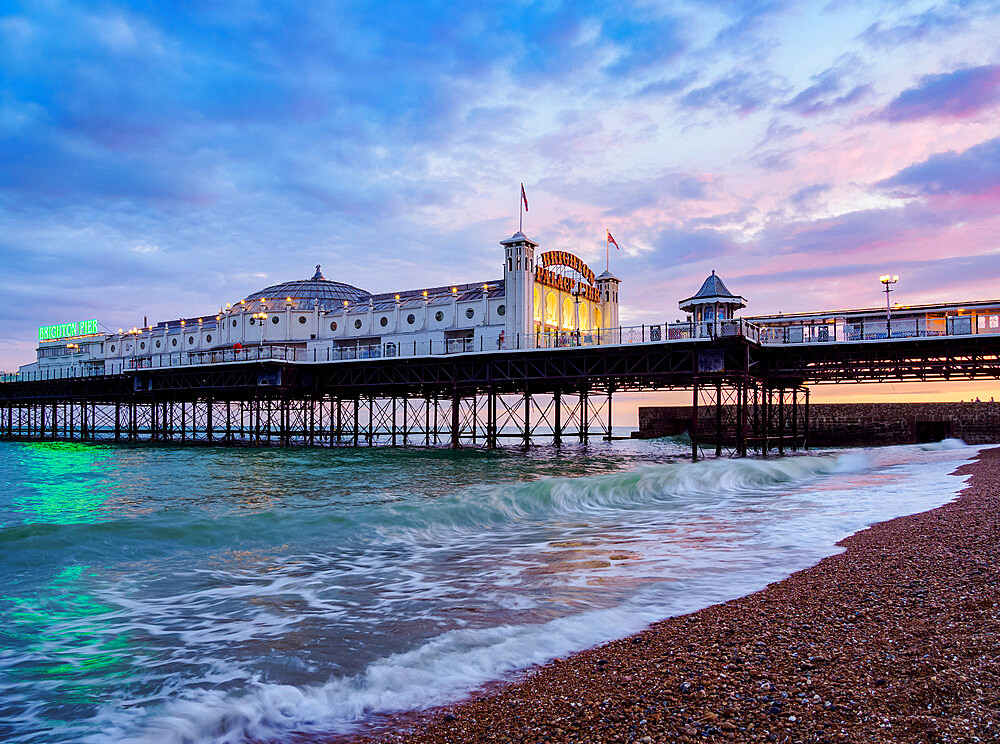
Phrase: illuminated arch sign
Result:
[565,258]
[548,278]
[67,330]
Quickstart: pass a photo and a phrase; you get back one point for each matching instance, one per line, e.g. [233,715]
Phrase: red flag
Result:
[524,198]
[612,240]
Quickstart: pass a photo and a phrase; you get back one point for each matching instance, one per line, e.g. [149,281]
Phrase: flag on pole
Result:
[524,198]
[611,240]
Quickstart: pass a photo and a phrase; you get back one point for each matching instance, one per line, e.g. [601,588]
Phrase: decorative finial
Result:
[318,274]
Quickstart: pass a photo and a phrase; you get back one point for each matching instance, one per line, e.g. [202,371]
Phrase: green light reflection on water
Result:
[62,633]
[62,482]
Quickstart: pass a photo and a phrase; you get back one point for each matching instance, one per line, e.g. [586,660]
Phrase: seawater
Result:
[158,594]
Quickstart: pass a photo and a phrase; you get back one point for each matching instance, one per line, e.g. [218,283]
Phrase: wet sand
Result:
[897,639]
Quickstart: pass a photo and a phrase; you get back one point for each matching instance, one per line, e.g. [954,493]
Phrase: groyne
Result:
[851,424]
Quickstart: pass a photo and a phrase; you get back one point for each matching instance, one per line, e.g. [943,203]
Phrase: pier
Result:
[755,383]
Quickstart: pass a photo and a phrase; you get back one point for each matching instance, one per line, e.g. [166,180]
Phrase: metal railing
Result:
[60,373]
[218,356]
[833,332]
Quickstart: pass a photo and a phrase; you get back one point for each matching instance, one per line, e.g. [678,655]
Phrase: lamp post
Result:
[576,320]
[888,280]
[262,320]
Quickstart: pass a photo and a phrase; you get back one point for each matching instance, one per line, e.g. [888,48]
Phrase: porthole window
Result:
[501,310]
[128,347]
[275,319]
[142,344]
[252,321]
[439,316]
[357,323]
[333,326]
[190,339]
[302,320]
[411,319]
[112,347]
[234,322]
[157,344]
[173,342]
[469,313]
[383,321]
[208,338]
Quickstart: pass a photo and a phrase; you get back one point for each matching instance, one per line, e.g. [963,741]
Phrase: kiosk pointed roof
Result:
[713,286]
[713,290]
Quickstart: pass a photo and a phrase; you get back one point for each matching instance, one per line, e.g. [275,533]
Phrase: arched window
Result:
[551,308]
[584,317]
[538,305]
[569,313]
[598,321]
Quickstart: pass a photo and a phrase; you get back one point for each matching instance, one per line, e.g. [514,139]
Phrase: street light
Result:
[888,281]
[262,321]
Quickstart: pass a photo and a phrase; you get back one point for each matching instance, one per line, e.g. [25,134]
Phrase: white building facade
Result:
[549,299]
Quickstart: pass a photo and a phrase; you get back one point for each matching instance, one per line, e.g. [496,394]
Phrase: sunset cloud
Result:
[959,95]
[161,160]
[974,171]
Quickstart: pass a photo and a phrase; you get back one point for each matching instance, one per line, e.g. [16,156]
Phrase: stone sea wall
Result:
[850,424]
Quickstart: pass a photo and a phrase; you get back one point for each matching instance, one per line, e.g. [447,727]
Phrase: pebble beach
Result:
[893,640]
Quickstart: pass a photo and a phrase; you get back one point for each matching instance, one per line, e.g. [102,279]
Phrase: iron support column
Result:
[741,441]
[607,438]
[768,392]
[527,419]
[491,420]
[694,420]
[781,421]
[805,428]
[557,429]
[718,418]
[795,419]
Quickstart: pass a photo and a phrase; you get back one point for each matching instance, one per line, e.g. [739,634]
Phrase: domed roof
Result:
[326,292]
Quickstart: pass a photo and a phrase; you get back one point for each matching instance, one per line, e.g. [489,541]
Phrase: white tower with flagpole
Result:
[519,282]
[519,289]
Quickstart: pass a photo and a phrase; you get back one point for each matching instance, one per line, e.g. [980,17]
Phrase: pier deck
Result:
[759,390]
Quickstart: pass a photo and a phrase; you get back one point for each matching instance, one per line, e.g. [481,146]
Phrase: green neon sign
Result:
[66,330]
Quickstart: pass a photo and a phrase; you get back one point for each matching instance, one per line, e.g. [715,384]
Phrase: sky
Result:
[161,159]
